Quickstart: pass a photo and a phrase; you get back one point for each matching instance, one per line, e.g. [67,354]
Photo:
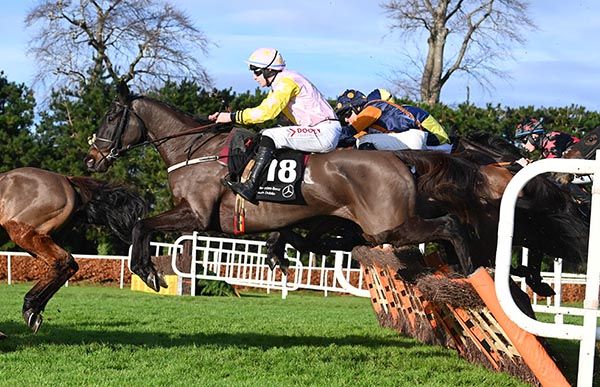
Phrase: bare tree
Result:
[141,42]
[467,36]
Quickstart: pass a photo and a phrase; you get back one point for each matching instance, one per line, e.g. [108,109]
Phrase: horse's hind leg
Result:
[276,251]
[311,243]
[61,267]
[418,230]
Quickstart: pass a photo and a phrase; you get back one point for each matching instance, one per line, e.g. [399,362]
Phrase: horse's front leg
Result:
[532,274]
[180,218]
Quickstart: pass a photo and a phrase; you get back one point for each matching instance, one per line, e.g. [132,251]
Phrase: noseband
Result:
[114,142]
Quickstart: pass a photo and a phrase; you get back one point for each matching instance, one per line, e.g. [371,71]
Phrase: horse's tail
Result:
[451,182]
[4,238]
[110,205]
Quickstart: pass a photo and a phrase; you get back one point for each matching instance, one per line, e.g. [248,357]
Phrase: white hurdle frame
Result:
[589,332]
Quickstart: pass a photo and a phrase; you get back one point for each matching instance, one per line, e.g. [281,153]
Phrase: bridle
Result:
[116,149]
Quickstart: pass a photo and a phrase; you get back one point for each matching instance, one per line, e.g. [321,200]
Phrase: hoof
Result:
[272,262]
[33,320]
[161,280]
[542,289]
[155,281]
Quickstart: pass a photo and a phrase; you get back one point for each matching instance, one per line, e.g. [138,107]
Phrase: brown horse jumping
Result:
[374,190]
[550,219]
[35,203]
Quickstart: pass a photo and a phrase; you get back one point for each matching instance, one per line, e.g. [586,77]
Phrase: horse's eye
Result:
[110,118]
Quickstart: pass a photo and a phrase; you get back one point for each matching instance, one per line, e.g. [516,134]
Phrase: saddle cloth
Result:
[281,181]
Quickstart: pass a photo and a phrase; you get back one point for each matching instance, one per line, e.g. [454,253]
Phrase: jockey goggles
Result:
[256,70]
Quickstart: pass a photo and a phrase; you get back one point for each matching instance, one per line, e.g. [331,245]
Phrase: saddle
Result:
[281,182]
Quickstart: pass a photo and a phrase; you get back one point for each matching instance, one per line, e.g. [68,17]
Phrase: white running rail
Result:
[242,262]
[556,279]
[587,333]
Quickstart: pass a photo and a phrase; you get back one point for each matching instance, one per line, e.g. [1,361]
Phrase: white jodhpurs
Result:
[320,138]
[445,148]
[410,139]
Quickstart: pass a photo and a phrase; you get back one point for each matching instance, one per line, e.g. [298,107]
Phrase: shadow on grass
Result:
[19,337]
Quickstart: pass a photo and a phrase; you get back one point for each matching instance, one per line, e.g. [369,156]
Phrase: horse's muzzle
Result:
[94,162]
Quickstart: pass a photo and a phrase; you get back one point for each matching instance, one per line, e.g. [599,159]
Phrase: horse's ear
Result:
[122,92]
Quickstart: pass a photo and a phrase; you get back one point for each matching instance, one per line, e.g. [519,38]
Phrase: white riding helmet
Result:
[266,58]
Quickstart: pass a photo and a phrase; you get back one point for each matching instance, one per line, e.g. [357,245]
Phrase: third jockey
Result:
[534,137]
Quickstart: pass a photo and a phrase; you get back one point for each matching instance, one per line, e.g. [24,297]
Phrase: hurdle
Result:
[458,313]
[587,333]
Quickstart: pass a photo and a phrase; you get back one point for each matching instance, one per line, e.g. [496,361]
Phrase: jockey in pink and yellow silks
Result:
[295,97]
[316,127]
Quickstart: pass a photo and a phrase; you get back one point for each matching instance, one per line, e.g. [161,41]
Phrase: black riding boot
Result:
[248,189]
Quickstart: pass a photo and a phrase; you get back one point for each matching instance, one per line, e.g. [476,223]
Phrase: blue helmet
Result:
[528,127]
[349,101]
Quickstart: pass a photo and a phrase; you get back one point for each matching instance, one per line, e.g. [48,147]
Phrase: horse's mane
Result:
[487,148]
[111,205]
[199,119]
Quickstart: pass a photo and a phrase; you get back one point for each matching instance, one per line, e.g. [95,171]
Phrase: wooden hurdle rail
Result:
[467,316]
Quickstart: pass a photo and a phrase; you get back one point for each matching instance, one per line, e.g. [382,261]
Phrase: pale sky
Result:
[340,44]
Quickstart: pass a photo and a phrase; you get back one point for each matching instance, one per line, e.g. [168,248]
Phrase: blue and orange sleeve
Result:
[365,119]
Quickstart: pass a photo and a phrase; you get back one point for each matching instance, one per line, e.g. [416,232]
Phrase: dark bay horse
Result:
[586,148]
[549,219]
[374,190]
[35,204]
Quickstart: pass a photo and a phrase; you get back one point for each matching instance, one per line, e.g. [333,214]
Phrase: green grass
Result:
[105,336]
[568,350]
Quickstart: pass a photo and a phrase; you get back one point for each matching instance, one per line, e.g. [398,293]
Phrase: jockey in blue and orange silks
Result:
[315,126]
[385,125]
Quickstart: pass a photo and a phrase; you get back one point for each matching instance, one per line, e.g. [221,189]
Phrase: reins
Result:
[160,141]
[117,150]
[196,130]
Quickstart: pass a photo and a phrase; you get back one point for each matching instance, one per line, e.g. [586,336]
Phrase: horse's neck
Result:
[496,153]
[167,129]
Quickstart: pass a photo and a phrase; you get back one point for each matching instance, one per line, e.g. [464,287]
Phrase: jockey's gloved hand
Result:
[367,146]
[346,142]
[523,161]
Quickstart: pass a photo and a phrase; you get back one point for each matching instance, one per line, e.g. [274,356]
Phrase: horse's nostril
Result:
[89,162]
